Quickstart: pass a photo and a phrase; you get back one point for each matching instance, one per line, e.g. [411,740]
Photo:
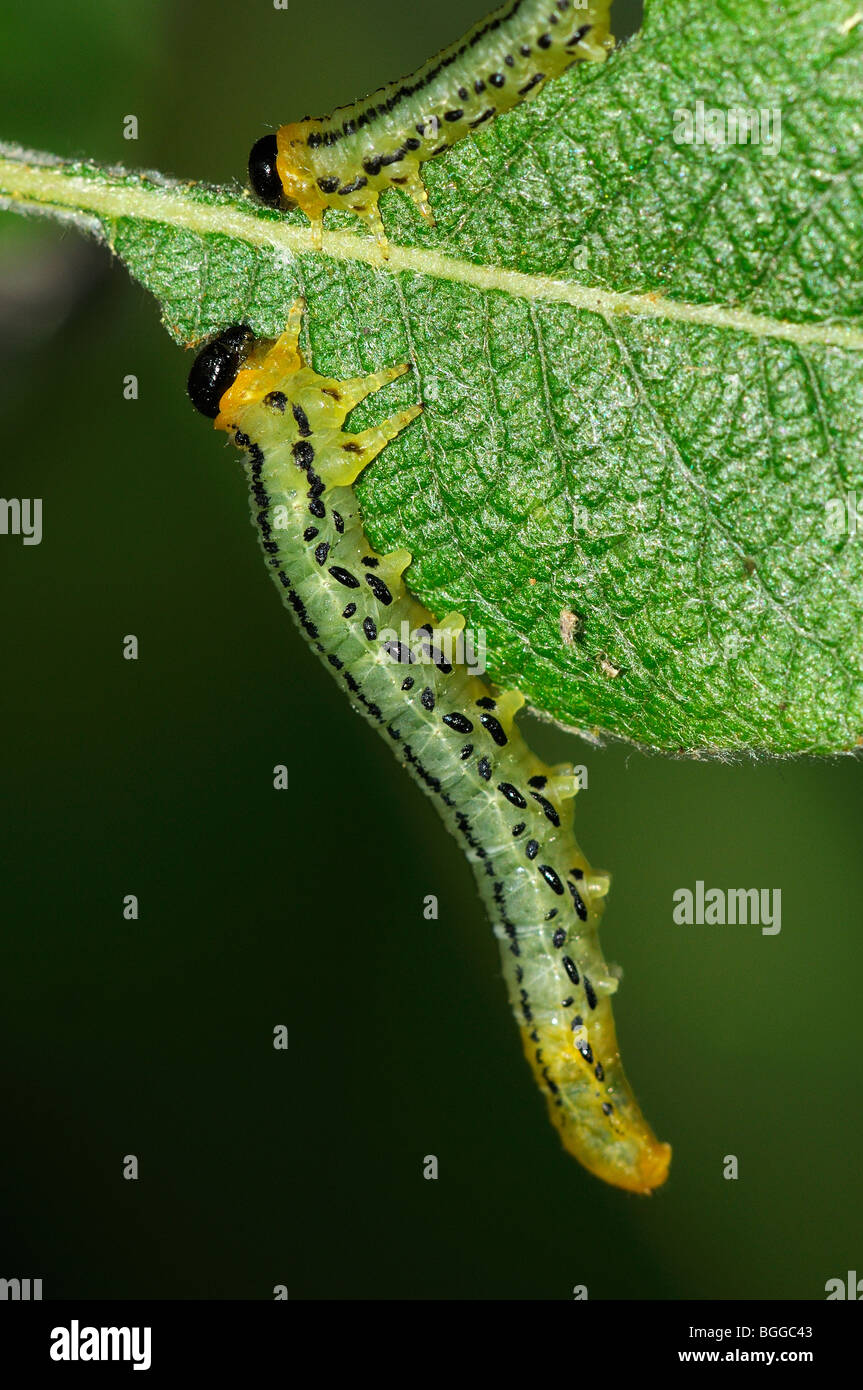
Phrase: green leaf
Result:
[641,362]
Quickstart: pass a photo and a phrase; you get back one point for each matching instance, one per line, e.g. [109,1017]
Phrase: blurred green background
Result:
[258,908]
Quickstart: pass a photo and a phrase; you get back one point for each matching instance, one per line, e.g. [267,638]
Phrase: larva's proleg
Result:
[455,736]
[348,159]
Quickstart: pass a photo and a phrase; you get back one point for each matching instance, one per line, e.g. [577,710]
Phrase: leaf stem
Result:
[87,196]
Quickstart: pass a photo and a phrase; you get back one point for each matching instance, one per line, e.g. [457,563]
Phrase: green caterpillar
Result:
[454,735]
[348,159]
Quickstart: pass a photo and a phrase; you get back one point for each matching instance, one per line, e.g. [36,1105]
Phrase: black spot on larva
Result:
[459,722]
[317,508]
[379,589]
[547,807]
[437,657]
[578,900]
[242,440]
[412,144]
[559,937]
[322,551]
[359,182]
[303,453]
[495,728]
[395,156]
[538,782]
[466,752]
[371,562]
[339,523]
[483,116]
[572,971]
[525,50]
[551,878]
[334,661]
[590,992]
[531,849]
[599,1072]
[509,60]
[328,184]
[549,916]
[552,1085]
[479,85]
[276,400]
[512,794]
[483,767]
[497,79]
[401,654]
[529,85]
[578,35]
[344,577]
[578,1021]
[302,420]
[607,1107]
[486,702]
[518,829]
[577,873]
[370,628]
[567,1002]
[427,698]
[349,610]
[408,683]
[463,93]
[455,115]
[310,533]
[544,41]
[586,1050]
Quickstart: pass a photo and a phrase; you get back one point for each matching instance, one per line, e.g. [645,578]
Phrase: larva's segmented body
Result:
[348,159]
[458,739]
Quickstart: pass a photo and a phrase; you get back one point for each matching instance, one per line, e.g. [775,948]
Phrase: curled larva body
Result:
[510,812]
[346,160]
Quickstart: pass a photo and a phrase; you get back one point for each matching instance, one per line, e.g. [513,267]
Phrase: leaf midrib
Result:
[49,188]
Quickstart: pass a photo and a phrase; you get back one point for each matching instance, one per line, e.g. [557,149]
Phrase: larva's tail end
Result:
[656,1171]
[597,1116]
[649,1174]
[642,1172]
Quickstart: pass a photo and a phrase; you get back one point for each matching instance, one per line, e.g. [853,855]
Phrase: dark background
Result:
[259,908]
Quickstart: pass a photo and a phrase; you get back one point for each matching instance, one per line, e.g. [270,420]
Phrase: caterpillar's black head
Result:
[215,368]
[263,174]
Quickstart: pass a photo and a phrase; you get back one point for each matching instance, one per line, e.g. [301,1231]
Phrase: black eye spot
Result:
[276,400]
[263,174]
[215,368]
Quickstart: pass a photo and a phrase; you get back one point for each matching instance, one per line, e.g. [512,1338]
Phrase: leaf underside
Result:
[631,507]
